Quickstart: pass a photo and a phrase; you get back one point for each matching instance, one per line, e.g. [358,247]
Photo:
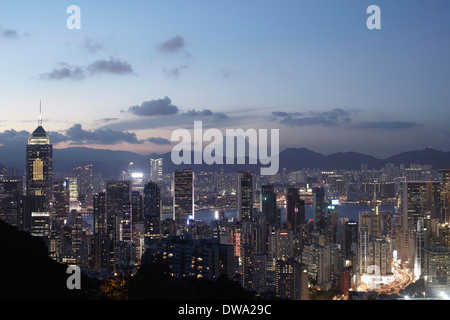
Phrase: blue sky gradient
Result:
[310,68]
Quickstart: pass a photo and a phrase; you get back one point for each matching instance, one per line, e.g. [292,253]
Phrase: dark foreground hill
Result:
[28,273]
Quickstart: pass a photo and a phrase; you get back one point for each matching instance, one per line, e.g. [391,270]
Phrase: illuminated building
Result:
[100,244]
[39,163]
[77,231]
[295,211]
[269,204]
[259,272]
[40,224]
[332,220]
[437,268]
[247,266]
[74,203]
[329,265]
[60,199]
[156,170]
[119,221]
[151,212]
[419,199]
[284,245]
[245,196]
[345,281]
[85,181]
[197,258]
[10,201]
[445,189]
[183,197]
[291,280]
[319,207]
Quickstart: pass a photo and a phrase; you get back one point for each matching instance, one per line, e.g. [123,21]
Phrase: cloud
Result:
[109,119]
[77,135]
[56,137]
[66,71]
[91,46]
[206,113]
[175,72]
[173,45]
[9,34]
[388,125]
[110,66]
[160,107]
[195,113]
[159,141]
[326,118]
[13,137]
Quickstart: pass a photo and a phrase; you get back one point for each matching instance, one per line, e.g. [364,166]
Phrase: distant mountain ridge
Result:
[111,163]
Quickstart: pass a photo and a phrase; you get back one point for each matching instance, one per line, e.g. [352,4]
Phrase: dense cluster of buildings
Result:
[267,243]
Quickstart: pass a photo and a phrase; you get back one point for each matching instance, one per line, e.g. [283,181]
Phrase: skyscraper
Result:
[84,178]
[183,196]
[156,170]
[100,244]
[39,163]
[10,201]
[269,204]
[119,221]
[295,210]
[445,189]
[245,196]
[418,200]
[291,280]
[319,207]
[151,212]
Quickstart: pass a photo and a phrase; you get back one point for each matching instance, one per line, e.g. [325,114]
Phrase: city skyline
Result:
[349,97]
[135,72]
[306,234]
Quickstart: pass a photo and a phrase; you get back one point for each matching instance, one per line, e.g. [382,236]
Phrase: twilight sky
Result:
[137,70]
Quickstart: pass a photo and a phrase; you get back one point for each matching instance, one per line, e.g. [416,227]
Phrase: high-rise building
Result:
[151,212]
[85,181]
[319,207]
[284,245]
[119,222]
[349,239]
[156,170]
[99,213]
[100,244]
[10,202]
[77,231]
[183,197]
[259,273]
[269,204]
[60,199]
[445,190]
[39,163]
[291,280]
[437,268]
[295,211]
[245,196]
[332,221]
[418,200]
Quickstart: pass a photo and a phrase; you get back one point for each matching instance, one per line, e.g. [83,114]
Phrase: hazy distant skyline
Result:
[138,70]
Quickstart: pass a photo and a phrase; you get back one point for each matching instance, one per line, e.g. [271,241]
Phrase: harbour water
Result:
[351,212]
[344,211]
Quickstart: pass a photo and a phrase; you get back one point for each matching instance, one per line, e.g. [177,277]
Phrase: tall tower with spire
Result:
[39,166]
